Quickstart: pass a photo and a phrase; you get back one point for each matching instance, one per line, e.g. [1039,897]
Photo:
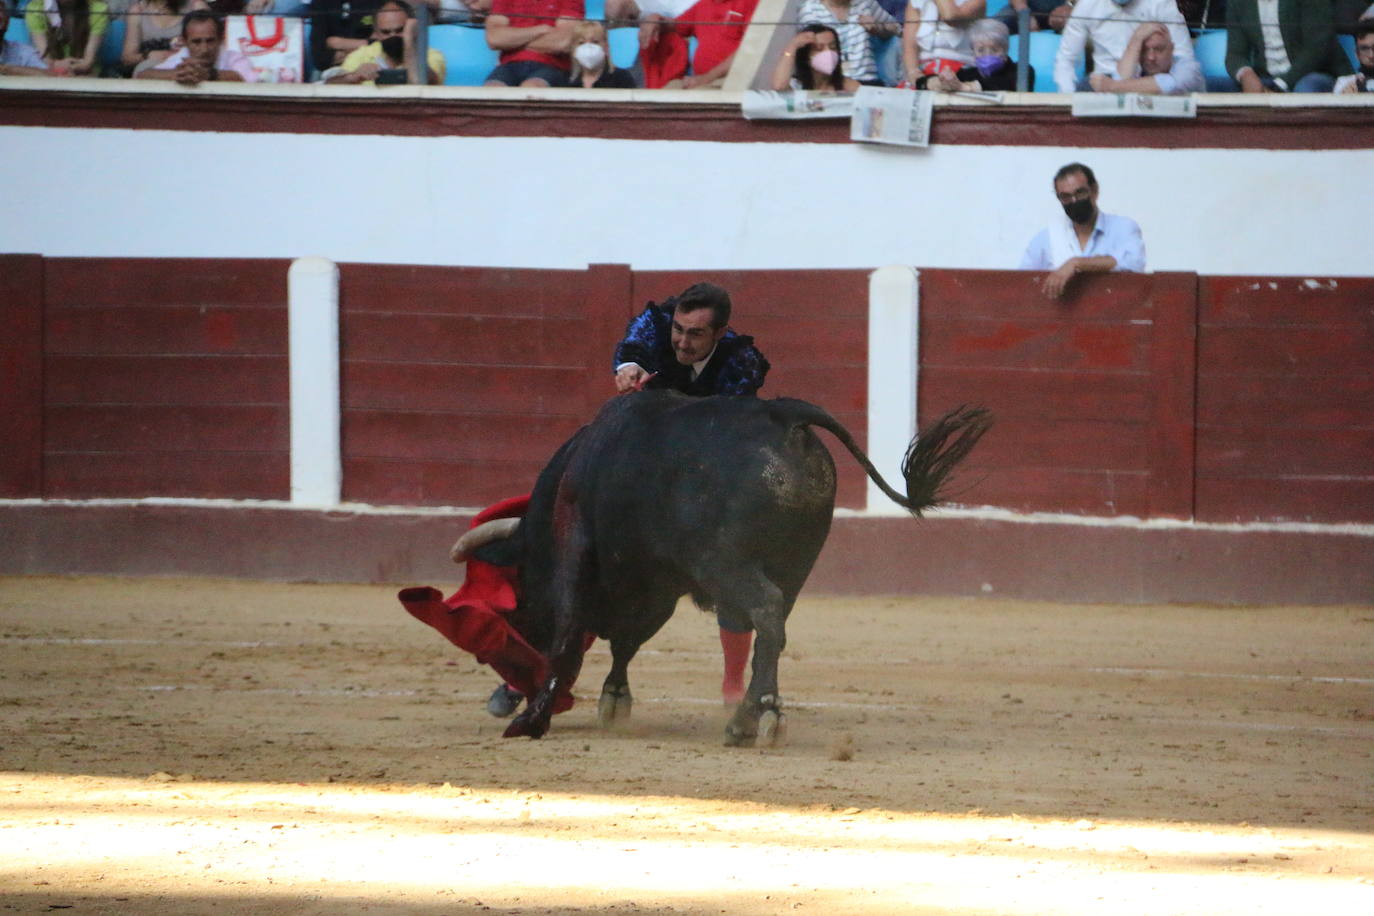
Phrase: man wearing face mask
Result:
[391,53]
[1109,25]
[1084,240]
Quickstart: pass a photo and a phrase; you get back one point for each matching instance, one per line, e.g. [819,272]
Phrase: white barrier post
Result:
[313,330]
[893,310]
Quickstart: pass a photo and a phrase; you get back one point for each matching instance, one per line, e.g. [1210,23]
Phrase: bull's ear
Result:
[505,552]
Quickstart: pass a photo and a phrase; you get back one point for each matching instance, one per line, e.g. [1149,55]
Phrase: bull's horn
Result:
[495,530]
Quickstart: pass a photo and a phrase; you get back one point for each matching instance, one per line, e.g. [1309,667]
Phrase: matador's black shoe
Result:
[504,701]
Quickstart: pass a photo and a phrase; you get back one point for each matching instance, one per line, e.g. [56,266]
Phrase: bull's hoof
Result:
[614,706]
[524,726]
[772,728]
[760,723]
[737,738]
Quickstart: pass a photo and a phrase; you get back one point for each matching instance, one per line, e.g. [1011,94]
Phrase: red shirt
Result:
[719,27]
[526,13]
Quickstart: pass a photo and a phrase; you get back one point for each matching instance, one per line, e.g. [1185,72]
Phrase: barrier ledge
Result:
[973,553]
[721,98]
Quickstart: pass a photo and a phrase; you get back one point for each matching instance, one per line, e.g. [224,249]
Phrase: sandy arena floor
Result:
[190,746]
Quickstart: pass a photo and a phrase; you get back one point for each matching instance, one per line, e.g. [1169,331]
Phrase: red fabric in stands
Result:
[664,60]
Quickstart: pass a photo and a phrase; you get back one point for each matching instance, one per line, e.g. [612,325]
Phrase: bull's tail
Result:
[929,459]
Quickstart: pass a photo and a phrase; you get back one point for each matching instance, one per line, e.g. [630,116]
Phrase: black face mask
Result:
[394,47]
[1080,211]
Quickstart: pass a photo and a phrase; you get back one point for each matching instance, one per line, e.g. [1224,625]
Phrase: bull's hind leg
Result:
[758,719]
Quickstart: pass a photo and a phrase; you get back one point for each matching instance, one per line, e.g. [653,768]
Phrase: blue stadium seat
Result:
[1210,48]
[624,44]
[466,55]
[595,9]
[1044,46]
[1348,43]
[17,31]
[995,7]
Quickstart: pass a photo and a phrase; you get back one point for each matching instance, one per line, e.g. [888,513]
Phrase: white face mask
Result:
[590,55]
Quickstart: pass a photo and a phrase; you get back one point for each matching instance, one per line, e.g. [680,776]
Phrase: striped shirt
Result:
[855,49]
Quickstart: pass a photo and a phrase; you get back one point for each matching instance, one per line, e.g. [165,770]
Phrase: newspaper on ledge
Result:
[1132,105]
[896,116]
[796,104]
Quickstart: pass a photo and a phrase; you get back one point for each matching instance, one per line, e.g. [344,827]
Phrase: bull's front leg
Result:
[564,667]
[758,719]
[568,596]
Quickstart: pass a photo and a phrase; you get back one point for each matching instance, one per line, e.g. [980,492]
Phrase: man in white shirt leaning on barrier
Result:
[1084,239]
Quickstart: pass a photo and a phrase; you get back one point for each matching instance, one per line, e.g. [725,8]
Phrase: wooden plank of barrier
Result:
[1173,387]
[21,375]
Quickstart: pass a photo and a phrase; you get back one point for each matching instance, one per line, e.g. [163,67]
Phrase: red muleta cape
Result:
[474,617]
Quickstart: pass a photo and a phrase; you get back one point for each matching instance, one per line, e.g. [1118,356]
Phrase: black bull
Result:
[727,499]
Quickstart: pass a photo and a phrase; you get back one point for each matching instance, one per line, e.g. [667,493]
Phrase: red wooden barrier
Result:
[1092,395]
[165,378]
[457,381]
[21,375]
[1154,395]
[1285,421]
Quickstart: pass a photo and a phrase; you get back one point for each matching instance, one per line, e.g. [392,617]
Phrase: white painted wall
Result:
[656,204]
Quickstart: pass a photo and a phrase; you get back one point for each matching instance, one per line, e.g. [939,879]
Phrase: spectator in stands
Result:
[1044,14]
[17,58]
[1148,66]
[67,33]
[812,61]
[719,27]
[1109,25]
[992,70]
[1283,46]
[390,56]
[592,67]
[1084,239]
[1363,79]
[203,56]
[151,28]
[854,21]
[338,28]
[935,37]
[534,38]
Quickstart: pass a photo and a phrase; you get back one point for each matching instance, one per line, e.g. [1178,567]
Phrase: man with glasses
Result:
[1084,240]
[1363,81]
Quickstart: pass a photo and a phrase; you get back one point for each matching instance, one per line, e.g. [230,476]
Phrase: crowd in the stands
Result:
[1165,47]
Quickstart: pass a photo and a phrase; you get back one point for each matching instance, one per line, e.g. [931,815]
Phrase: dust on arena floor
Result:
[192,746]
